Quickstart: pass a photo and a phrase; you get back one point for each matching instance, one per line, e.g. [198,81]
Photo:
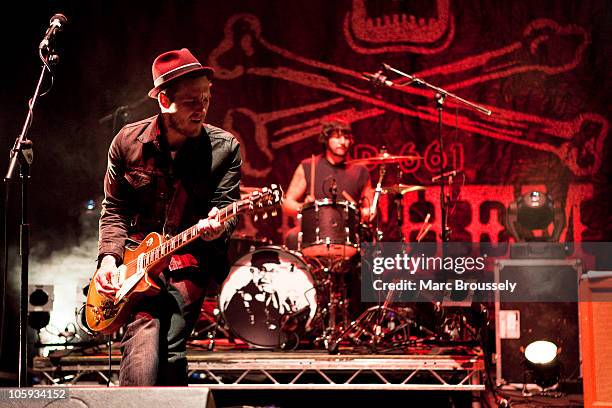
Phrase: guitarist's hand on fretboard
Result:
[210,228]
[107,277]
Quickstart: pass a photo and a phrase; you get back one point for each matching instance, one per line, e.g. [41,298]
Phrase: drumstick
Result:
[425,231]
[312,176]
[348,197]
[423,225]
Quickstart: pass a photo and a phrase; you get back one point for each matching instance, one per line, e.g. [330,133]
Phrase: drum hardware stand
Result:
[336,316]
[370,324]
[213,328]
[400,214]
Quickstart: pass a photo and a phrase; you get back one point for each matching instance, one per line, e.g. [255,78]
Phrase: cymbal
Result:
[385,158]
[401,189]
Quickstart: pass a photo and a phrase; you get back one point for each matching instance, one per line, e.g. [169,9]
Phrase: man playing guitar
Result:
[165,173]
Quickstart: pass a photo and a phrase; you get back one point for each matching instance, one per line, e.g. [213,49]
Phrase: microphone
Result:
[377,79]
[451,173]
[57,22]
[334,189]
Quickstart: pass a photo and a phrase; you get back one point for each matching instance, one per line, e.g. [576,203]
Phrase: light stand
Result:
[22,152]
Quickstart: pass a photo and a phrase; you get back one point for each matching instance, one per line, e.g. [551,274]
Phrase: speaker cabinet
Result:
[518,323]
[596,338]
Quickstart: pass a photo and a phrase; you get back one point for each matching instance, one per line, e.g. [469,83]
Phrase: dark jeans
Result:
[155,341]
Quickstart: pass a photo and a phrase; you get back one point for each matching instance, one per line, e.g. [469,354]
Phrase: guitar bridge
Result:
[107,310]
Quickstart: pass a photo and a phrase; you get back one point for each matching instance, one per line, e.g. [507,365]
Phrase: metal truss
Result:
[76,370]
[295,370]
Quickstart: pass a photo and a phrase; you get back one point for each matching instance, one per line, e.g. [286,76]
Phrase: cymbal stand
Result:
[399,197]
[377,193]
[335,316]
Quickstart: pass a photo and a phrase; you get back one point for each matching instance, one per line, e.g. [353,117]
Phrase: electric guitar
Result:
[146,262]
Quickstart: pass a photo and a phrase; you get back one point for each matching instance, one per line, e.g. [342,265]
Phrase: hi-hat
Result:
[401,189]
[385,158]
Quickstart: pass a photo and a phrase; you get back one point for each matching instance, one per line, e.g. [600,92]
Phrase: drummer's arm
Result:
[367,212]
[295,192]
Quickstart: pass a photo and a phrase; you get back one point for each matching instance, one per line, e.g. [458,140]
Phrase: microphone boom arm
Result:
[444,93]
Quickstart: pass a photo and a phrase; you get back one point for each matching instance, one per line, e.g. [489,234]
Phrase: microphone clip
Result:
[56,24]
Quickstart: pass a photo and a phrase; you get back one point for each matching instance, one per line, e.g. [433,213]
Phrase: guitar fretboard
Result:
[190,234]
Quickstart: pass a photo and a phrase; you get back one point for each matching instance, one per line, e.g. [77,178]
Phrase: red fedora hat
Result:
[174,64]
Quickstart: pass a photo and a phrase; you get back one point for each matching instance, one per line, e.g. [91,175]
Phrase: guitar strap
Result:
[174,211]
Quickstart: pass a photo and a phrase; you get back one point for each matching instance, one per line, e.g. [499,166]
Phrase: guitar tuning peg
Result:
[274,213]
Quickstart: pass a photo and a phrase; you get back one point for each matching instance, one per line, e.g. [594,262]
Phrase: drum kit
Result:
[276,298]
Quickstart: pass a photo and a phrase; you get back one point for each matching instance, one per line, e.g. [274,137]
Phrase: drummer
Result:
[334,179]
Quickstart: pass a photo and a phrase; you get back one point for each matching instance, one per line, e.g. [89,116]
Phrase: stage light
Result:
[541,352]
[530,216]
[542,364]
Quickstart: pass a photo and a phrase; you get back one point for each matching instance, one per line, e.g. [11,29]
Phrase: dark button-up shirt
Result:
[141,178]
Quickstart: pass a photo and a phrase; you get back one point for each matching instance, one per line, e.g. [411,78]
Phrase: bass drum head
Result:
[264,289]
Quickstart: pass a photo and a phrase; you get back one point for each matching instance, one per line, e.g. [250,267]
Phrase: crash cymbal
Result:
[401,189]
[385,158]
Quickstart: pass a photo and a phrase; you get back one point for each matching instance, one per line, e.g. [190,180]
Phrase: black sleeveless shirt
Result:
[351,178]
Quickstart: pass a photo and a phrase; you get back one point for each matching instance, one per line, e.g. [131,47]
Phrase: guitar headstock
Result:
[266,201]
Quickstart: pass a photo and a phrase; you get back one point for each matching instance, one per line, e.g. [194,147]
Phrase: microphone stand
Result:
[23,153]
[439,98]
[377,193]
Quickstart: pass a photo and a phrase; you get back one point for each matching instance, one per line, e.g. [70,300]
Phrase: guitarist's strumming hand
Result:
[107,277]
[210,228]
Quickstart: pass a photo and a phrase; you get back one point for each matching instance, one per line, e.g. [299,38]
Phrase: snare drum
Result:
[329,229]
[264,289]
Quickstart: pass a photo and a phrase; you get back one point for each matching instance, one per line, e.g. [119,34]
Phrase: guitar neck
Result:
[180,240]
[259,201]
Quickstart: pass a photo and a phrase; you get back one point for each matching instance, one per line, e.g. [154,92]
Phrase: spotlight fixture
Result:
[542,364]
[529,218]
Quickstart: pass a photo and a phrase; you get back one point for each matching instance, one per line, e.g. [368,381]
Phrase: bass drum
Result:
[266,292]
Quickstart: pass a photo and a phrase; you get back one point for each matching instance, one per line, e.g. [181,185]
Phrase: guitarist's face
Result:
[186,105]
